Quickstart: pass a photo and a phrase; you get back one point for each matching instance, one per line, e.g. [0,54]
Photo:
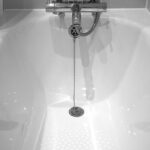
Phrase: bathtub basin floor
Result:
[64,132]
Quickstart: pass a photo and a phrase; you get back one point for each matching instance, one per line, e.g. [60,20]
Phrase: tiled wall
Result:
[24,4]
[148,4]
[1,6]
[19,4]
[127,3]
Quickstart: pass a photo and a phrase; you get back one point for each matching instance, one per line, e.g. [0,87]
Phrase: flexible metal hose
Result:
[96,20]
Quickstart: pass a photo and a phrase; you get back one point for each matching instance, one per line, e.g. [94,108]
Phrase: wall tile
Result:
[148,6]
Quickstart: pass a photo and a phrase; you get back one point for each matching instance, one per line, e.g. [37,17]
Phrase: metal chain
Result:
[74,72]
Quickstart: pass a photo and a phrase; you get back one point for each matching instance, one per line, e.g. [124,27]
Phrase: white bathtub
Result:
[112,82]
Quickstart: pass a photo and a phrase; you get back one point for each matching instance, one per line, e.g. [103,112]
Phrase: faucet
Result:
[76,7]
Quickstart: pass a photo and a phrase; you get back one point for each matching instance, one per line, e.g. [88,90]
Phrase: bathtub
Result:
[112,82]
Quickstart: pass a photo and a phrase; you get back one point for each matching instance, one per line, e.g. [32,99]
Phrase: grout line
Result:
[148,11]
[146,4]
[1,7]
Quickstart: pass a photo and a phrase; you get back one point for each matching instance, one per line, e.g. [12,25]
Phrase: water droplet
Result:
[11,139]
[25,108]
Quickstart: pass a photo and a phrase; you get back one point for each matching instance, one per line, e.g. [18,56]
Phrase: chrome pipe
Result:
[67,7]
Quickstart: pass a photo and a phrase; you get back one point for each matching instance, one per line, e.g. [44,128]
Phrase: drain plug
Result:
[76,111]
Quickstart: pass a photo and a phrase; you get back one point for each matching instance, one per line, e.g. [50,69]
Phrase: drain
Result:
[76,111]
[74,31]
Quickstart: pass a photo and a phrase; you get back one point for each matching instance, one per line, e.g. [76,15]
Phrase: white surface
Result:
[77,133]
[112,72]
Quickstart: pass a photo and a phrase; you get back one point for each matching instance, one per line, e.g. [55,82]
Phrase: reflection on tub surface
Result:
[142,126]
[102,59]
[8,125]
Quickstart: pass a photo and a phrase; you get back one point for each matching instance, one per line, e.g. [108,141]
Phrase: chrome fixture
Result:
[76,7]
[60,7]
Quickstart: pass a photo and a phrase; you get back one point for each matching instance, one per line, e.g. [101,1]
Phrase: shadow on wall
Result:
[11,18]
[112,44]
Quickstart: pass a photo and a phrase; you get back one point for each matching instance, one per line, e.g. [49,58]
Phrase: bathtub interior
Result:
[112,82]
